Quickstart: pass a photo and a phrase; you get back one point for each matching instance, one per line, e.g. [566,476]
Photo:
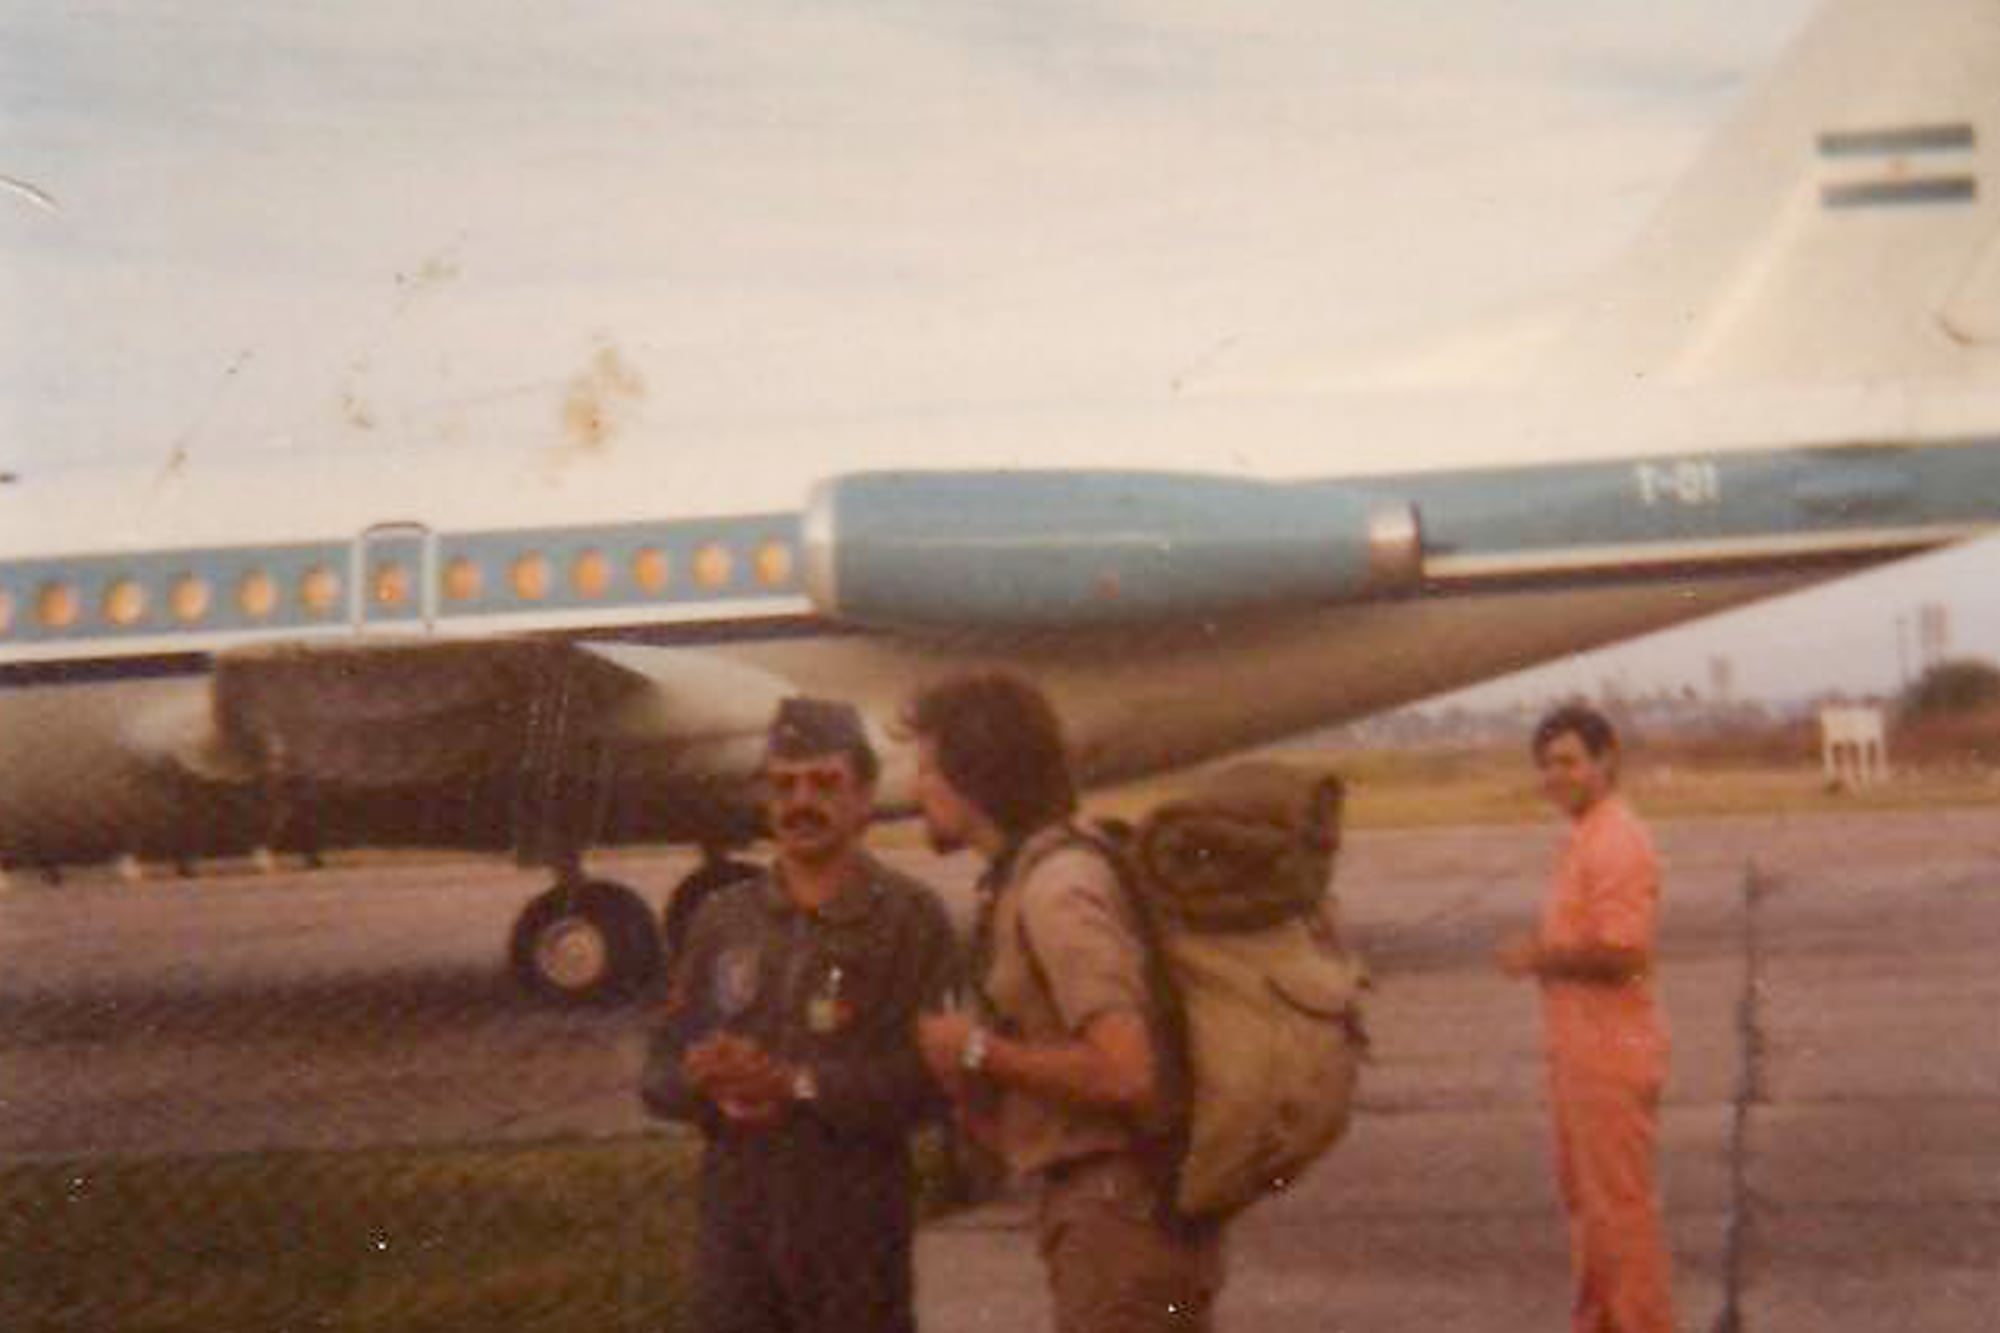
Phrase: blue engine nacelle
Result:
[1050,548]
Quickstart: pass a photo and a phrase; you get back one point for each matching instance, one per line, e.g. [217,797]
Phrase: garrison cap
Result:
[805,728]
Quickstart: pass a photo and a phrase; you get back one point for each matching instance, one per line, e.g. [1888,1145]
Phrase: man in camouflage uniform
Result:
[787,1040]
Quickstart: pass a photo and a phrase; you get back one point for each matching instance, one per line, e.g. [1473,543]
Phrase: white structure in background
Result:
[1852,748]
[1933,635]
[1721,680]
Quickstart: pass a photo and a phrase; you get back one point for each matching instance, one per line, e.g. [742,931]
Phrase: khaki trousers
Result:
[1113,1268]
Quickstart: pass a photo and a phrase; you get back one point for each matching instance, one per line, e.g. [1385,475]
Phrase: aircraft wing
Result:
[390,714]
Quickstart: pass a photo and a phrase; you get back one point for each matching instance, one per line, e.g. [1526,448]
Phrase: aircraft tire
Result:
[696,888]
[588,943]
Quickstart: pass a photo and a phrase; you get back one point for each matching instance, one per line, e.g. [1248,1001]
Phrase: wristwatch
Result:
[972,1055]
[805,1088]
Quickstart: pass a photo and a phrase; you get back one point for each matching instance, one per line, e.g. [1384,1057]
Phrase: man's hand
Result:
[1519,956]
[739,1076]
[980,1126]
[941,1038]
[750,1115]
[714,1060]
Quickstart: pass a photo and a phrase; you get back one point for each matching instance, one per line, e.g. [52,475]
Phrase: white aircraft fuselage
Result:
[638,546]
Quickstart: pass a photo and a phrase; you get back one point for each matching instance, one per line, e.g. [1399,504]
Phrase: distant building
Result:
[1933,635]
[1852,744]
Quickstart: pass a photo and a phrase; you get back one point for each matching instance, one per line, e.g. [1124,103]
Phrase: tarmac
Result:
[1830,1142]
[1830,1139]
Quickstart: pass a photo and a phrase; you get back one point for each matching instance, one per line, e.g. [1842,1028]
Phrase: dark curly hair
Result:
[1579,720]
[1000,744]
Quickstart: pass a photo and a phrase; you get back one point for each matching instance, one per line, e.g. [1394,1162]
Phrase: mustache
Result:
[802,821]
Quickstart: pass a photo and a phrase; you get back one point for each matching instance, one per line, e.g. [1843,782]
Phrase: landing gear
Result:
[715,872]
[585,942]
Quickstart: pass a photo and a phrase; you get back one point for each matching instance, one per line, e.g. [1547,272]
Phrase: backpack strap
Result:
[1121,872]
[1161,1145]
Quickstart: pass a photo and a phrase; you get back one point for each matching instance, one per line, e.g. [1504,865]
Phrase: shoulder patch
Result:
[737,977]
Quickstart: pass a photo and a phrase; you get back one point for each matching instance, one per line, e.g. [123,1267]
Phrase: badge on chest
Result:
[828,1009]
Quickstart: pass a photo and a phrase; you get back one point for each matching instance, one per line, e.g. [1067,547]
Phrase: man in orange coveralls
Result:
[1593,958]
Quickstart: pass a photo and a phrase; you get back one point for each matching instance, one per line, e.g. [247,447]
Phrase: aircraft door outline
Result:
[392,578]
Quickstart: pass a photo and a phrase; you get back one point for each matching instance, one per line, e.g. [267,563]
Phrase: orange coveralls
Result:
[1607,1062]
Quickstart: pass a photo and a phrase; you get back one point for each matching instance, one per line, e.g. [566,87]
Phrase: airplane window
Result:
[189,598]
[391,584]
[531,577]
[56,605]
[124,602]
[590,575]
[712,565]
[774,564]
[462,579]
[649,568]
[257,594]
[319,588]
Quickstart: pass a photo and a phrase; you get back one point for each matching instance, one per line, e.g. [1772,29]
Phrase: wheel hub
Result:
[573,953]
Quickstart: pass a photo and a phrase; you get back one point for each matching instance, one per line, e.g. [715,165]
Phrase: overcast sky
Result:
[231,225]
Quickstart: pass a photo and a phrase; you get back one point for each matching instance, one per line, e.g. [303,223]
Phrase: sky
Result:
[231,226]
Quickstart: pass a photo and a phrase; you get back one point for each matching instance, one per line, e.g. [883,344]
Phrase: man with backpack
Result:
[1060,1071]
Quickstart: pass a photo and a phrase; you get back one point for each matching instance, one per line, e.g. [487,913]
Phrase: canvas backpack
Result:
[1257,1002]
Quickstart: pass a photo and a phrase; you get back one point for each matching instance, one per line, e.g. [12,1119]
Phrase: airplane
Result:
[1795,375]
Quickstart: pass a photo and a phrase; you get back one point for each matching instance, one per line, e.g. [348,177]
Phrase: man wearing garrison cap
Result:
[787,1040]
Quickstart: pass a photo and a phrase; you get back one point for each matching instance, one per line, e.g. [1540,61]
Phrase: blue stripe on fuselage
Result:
[685,564]
[1669,501]
[739,577]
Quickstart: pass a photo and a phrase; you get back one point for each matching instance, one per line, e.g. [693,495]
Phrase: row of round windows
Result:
[530,577]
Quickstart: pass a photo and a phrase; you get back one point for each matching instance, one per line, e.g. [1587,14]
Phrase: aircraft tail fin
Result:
[1845,226]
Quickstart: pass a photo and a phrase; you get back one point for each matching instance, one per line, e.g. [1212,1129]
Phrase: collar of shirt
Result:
[1001,868]
[1604,808]
[856,897]
[1030,848]
[998,874]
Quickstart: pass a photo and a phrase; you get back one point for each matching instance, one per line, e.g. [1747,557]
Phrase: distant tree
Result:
[1963,685]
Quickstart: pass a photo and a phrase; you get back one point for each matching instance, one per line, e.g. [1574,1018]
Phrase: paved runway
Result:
[1831,1138]
[297,1010]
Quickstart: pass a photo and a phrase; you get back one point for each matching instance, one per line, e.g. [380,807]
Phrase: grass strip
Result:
[1444,788]
[534,1238]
